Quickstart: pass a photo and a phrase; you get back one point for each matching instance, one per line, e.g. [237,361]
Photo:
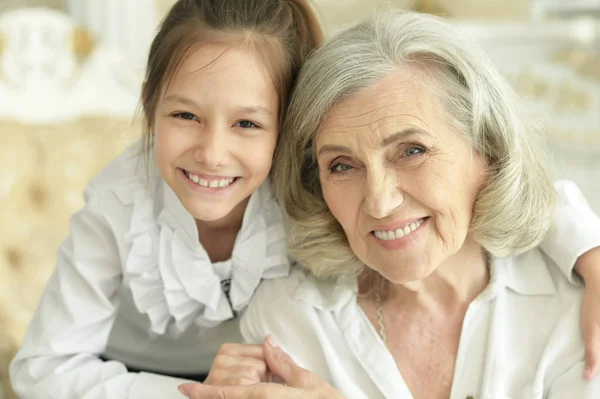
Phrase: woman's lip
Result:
[398,224]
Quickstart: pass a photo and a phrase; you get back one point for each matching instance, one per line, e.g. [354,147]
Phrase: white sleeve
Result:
[270,312]
[70,328]
[577,229]
[573,385]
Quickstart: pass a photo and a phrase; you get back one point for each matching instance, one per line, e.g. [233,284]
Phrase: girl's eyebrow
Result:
[252,109]
[180,99]
[255,109]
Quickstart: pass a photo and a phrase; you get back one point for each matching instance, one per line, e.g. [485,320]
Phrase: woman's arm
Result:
[576,233]
[70,328]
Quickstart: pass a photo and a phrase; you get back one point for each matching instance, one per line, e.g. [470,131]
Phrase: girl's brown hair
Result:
[284,31]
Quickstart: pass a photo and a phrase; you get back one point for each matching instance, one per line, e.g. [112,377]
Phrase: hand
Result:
[301,383]
[588,267]
[238,364]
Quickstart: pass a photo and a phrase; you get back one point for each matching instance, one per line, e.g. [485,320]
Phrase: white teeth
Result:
[221,183]
[400,232]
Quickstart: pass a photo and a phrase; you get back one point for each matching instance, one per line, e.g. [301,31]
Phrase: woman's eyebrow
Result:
[384,143]
[398,135]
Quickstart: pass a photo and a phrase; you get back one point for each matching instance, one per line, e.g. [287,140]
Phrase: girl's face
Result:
[215,130]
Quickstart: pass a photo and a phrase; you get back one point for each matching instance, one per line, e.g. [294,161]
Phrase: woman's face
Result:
[398,178]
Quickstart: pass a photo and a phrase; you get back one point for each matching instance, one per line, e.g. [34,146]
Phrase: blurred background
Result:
[70,78]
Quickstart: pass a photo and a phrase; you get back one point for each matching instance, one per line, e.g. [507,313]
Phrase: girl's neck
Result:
[218,236]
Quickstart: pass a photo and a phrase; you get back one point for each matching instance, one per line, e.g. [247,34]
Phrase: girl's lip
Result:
[212,190]
[208,177]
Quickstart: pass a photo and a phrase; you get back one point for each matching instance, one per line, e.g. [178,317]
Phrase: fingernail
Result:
[182,389]
[588,372]
[272,341]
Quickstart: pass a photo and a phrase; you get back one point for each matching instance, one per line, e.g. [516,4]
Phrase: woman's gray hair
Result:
[514,209]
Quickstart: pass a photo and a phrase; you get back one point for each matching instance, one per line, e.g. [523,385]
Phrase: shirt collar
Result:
[326,294]
[525,274]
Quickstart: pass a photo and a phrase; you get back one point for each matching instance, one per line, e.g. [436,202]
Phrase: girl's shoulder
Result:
[125,176]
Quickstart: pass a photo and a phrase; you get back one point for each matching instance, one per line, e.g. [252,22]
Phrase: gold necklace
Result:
[380,317]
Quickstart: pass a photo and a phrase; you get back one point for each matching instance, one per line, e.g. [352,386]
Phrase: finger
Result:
[283,366]
[230,375]
[592,351]
[229,362]
[259,391]
[243,350]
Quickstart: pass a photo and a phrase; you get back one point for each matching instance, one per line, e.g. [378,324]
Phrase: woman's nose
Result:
[383,196]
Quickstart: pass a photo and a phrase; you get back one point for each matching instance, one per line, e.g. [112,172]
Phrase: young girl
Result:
[166,252]
[179,230]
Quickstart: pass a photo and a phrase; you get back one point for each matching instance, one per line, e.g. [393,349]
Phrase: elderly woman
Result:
[418,196]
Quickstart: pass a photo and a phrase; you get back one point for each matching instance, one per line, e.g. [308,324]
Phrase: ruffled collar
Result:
[169,273]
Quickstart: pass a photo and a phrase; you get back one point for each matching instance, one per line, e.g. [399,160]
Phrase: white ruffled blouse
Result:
[134,284]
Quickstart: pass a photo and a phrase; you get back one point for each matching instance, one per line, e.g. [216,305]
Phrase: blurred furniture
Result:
[127,25]
[66,109]
[555,67]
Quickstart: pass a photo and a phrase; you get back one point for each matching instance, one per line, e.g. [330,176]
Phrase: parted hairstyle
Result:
[514,209]
[284,32]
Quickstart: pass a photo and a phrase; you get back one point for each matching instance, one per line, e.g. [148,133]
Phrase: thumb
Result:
[282,365]
[592,352]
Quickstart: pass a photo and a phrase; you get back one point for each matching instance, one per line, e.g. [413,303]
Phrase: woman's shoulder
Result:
[296,296]
[536,273]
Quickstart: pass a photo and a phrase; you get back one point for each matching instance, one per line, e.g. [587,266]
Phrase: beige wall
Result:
[12,4]
[339,13]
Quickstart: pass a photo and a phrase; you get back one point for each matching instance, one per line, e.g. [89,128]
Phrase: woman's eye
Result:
[413,151]
[340,168]
[246,124]
[186,115]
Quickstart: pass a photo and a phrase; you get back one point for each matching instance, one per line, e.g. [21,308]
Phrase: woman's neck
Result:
[218,236]
[456,282]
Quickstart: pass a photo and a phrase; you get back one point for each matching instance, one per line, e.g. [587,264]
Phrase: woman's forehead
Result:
[391,100]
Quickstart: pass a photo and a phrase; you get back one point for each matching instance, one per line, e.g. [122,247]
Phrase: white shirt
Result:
[521,336]
[133,283]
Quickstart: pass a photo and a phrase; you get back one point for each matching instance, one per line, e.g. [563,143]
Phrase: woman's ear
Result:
[83,43]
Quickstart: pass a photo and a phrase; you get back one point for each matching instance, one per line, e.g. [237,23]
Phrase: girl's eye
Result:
[340,168]
[186,115]
[414,150]
[246,124]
